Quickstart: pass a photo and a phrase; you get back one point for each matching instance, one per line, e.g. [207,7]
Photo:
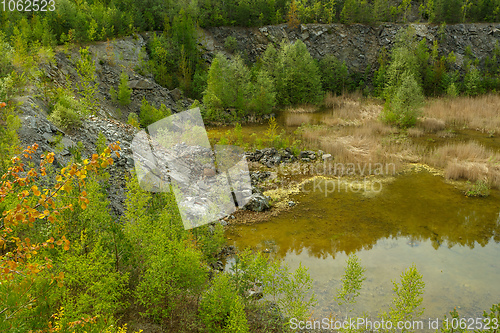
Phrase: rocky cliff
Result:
[358,45]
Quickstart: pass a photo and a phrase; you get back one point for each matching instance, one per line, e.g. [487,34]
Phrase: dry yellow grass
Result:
[481,113]
[470,161]
[431,125]
[297,119]
[352,133]
[305,108]
[415,132]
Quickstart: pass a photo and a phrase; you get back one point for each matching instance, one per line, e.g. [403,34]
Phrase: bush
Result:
[113,94]
[452,90]
[133,119]
[263,94]
[352,280]
[221,308]
[231,44]
[91,286]
[407,299]
[149,114]
[289,290]
[67,112]
[173,270]
[479,189]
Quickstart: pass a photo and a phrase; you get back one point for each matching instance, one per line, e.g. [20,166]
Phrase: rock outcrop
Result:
[358,45]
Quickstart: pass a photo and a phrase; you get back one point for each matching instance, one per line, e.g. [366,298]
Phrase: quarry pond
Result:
[416,218]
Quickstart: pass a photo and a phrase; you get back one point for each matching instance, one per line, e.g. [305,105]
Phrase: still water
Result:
[417,218]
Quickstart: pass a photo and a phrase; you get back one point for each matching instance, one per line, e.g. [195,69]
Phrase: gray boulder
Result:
[258,203]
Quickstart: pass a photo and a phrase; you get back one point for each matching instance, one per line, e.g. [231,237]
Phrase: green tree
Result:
[404,107]
[381,10]
[85,68]
[289,290]
[407,299]
[263,96]
[352,281]
[297,77]
[229,87]
[403,59]
[472,81]
[334,74]
[349,12]
[8,134]
[124,91]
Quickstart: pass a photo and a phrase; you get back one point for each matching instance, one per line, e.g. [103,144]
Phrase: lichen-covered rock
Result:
[258,203]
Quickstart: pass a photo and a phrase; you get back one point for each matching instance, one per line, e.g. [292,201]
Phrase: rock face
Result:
[358,45]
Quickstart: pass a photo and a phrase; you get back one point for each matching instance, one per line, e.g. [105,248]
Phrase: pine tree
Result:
[124,91]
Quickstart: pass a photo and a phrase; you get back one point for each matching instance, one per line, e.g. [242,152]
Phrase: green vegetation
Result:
[478,189]
[232,93]
[352,281]
[149,114]
[66,111]
[221,308]
[85,68]
[407,299]
[67,263]
[98,20]
[133,120]
[124,91]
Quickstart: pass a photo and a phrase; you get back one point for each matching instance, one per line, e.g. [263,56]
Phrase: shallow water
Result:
[417,218]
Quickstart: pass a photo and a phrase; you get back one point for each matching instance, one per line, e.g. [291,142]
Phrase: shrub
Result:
[263,97]
[231,44]
[133,119]
[479,189]
[149,114]
[8,134]
[452,90]
[124,91]
[86,71]
[221,308]
[174,269]
[91,286]
[67,112]
[113,94]
[289,290]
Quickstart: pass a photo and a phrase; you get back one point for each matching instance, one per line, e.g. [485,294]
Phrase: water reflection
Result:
[417,218]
